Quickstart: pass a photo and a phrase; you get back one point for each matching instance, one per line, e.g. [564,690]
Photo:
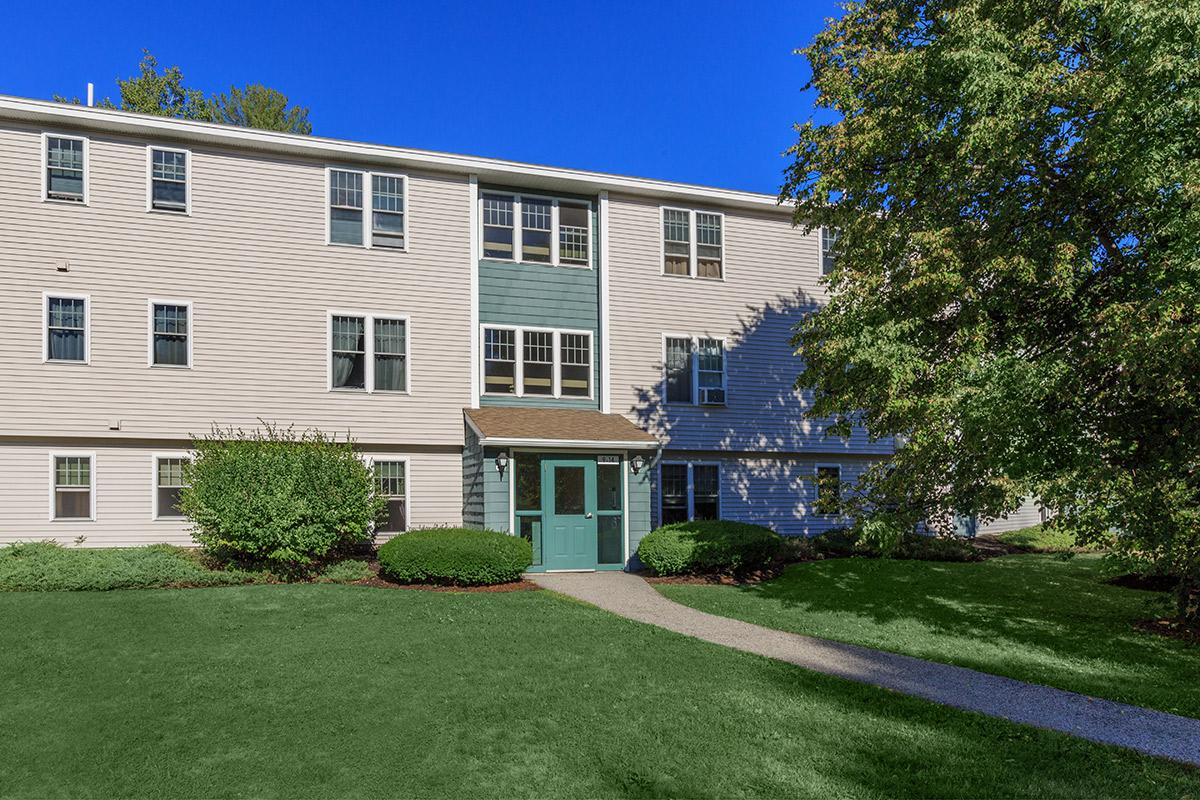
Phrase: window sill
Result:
[367,247]
[70,361]
[169,519]
[170,212]
[368,392]
[64,202]
[170,366]
[72,519]
[693,277]
[514,262]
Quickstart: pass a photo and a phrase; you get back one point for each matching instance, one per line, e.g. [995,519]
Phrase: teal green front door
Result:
[569,503]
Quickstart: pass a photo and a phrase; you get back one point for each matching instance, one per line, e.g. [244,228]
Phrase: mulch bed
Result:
[714,580]
[1170,628]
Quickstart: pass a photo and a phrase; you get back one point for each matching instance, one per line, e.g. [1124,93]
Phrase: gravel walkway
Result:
[1154,732]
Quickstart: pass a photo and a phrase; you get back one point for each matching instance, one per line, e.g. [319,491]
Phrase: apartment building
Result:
[569,356]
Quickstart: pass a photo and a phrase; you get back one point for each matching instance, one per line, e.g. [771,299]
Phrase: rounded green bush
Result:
[455,557]
[709,547]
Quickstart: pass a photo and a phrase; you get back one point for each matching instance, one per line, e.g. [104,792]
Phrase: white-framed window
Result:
[170,333]
[66,328]
[535,229]
[536,362]
[695,370]
[693,243]
[689,490]
[168,187]
[65,168]
[386,226]
[369,352]
[168,484]
[391,483]
[829,238]
[827,495]
[72,486]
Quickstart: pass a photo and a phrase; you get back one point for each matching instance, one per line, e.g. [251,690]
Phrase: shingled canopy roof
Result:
[561,427]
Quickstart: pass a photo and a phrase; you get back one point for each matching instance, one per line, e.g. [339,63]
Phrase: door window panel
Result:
[569,491]
[608,485]
[608,539]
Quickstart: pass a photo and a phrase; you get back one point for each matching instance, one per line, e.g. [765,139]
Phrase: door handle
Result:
[588,515]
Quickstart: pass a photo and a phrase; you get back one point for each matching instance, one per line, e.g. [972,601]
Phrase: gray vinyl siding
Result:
[772,273]
[640,500]
[496,513]
[472,480]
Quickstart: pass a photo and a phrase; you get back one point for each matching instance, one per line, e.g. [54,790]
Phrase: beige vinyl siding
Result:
[253,261]
[772,278]
[1030,513]
[124,496]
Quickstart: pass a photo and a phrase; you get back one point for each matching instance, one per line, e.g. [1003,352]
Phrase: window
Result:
[345,207]
[168,486]
[527,492]
[829,238]
[72,483]
[552,364]
[66,169]
[693,243]
[387,211]
[170,334]
[694,370]
[499,361]
[391,483]
[551,231]
[829,490]
[168,180]
[385,226]
[689,491]
[66,329]
[368,352]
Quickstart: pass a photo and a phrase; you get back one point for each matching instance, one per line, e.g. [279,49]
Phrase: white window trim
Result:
[816,497]
[159,301]
[187,181]
[87,327]
[89,454]
[694,357]
[367,207]
[154,459]
[371,459]
[691,485]
[519,367]
[87,166]
[692,243]
[368,353]
[554,228]
[821,250]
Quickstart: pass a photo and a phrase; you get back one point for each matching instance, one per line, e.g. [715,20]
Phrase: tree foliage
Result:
[164,94]
[1017,295]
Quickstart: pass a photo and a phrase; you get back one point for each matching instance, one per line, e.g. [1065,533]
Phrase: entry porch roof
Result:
[571,428]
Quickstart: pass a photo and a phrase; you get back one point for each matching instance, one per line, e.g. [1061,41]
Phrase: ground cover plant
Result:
[304,690]
[846,542]
[710,547]
[1043,539]
[455,557]
[1037,618]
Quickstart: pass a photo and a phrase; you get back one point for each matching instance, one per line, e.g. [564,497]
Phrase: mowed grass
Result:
[343,691]
[1037,618]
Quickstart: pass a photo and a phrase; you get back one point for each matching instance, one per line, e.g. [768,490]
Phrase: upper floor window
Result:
[695,370]
[66,326]
[348,221]
[72,484]
[169,180]
[540,230]
[391,483]
[66,168]
[170,334]
[689,491]
[829,490]
[368,352]
[829,238]
[551,364]
[168,486]
[693,243]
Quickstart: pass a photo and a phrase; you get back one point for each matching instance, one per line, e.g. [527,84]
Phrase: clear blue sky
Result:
[702,91]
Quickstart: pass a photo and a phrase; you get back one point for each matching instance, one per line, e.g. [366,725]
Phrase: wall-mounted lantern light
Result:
[502,462]
[636,464]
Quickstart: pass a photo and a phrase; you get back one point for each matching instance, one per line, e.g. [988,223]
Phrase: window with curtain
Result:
[677,242]
[829,490]
[169,336]
[168,180]
[369,353]
[674,478]
[690,491]
[349,353]
[708,245]
[706,491]
[576,365]
[72,487]
[498,235]
[679,370]
[693,243]
[390,483]
[828,243]
[538,365]
[66,329]
[695,370]
[390,354]
[387,211]
[536,228]
[500,361]
[345,207]
[168,483]
[65,169]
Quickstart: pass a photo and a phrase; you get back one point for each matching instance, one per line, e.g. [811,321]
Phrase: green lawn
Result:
[1041,539]
[334,691]
[1033,617]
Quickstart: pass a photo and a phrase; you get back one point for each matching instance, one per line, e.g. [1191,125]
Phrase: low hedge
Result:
[845,542]
[709,547]
[455,557]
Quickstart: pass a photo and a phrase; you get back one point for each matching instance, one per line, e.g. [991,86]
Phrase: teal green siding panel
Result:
[639,512]
[496,514]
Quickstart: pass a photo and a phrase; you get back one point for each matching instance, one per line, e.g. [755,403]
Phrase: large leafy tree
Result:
[164,94]
[1017,298]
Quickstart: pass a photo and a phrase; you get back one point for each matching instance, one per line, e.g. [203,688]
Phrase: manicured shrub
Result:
[49,567]
[839,543]
[845,542]
[277,498]
[709,547]
[455,557]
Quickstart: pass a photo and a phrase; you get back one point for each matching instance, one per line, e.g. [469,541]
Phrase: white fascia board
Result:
[488,169]
[567,444]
